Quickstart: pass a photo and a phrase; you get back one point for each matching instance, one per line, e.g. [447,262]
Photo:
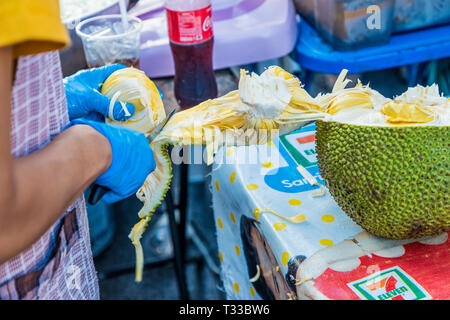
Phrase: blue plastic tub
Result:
[402,49]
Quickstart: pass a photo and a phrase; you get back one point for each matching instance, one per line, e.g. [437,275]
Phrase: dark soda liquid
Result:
[195,80]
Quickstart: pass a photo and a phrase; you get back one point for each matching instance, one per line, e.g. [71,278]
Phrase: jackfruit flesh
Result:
[385,161]
[133,86]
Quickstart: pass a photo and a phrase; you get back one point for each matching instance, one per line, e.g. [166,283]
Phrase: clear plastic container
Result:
[350,24]
[416,14]
[106,42]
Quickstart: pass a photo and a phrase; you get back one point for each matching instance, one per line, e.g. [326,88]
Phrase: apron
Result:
[60,264]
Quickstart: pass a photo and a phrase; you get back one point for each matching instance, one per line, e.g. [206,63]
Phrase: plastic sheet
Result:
[277,240]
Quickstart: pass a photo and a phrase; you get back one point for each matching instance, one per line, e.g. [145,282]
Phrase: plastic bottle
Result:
[192,39]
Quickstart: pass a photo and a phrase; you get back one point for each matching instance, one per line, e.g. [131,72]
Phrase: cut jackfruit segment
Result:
[404,112]
[135,237]
[349,99]
[362,105]
[342,98]
[133,86]
[229,121]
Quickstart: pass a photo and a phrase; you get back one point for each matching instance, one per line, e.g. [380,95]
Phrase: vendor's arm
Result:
[38,188]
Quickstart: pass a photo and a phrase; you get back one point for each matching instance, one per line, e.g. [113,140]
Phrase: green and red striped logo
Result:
[389,284]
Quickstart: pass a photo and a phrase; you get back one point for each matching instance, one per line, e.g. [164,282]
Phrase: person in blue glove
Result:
[46,162]
[84,99]
[132,160]
[87,106]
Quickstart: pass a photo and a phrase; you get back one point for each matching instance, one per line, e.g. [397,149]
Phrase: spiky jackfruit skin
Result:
[392,181]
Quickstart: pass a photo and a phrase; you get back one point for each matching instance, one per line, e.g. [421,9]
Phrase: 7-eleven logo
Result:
[390,284]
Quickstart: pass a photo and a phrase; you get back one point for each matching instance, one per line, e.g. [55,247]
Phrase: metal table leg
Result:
[178,235]
[178,247]
[182,206]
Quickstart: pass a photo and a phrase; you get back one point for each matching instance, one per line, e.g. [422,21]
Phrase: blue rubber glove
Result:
[84,98]
[132,160]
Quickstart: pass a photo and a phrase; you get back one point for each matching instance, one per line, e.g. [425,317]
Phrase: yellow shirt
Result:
[32,26]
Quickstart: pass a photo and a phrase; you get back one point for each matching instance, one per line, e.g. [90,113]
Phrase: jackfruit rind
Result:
[392,181]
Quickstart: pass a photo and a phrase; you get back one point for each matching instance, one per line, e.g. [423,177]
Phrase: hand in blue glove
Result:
[132,160]
[84,98]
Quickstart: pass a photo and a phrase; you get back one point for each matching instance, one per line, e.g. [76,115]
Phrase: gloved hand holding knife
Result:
[100,189]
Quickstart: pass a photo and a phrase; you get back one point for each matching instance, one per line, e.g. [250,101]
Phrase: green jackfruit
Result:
[391,180]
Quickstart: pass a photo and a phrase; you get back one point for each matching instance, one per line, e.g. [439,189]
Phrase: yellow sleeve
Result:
[32,26]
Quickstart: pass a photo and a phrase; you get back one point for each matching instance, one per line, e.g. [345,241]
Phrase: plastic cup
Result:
[106,42]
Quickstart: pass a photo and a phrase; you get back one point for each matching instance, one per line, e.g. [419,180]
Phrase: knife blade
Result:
[160,127]
[98,191]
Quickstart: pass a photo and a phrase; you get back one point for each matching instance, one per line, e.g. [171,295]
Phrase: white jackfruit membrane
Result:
[265,96]
[362,105]
[427,96]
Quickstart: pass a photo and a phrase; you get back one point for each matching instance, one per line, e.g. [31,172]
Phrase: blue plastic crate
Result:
[403,49]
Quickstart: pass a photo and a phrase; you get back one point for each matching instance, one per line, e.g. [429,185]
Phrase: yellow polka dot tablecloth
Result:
[280,236]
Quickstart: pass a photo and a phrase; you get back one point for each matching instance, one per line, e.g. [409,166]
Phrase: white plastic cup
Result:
[104,46]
